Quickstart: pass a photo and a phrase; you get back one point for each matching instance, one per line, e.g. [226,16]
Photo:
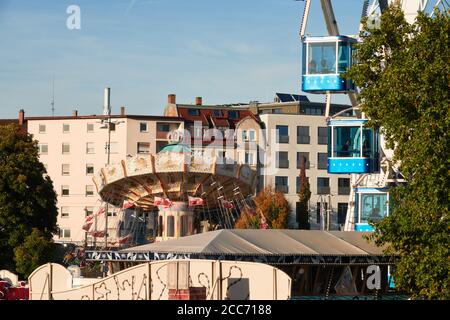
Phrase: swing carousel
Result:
[184,185]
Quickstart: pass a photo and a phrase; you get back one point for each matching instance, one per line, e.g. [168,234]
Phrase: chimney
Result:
[106,102]
[75,113]
[21,117]
[122,110]
[171,98]
[198,101]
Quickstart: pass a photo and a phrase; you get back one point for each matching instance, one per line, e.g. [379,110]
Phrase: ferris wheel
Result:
[353,148]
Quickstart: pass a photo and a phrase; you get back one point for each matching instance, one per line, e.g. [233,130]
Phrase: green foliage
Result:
[27,198]
[304,195]
[36,250]
[403,73]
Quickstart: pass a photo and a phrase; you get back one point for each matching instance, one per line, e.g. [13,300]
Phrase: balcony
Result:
[283,164]
[282,188]
[343,190]
[323,190]
[162,135]
[282,139]
[303,139]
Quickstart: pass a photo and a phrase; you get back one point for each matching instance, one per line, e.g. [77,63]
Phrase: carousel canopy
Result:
[267,242]
[272,246]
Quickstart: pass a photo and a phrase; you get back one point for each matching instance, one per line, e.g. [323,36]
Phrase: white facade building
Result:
[74,148]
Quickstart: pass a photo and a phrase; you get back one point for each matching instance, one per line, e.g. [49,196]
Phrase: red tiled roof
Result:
[206,116]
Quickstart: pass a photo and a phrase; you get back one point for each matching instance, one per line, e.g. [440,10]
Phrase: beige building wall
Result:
[292,172]
[88,147]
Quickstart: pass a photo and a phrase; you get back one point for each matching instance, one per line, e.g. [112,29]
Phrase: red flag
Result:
[127,205]
[100,211]
[195,201]
[97,234]
[158,201]
[125,239]
[227,204]
[87,225]
[263,224]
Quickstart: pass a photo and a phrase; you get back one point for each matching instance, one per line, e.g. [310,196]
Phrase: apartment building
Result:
[73,148]
[273,137]
[296,128]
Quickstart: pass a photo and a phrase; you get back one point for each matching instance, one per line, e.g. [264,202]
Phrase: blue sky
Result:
[225,51]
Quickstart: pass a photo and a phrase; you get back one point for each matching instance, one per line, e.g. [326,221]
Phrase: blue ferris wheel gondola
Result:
[352,148]
[325,59]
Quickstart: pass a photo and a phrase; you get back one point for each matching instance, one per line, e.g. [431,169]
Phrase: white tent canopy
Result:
[266,243]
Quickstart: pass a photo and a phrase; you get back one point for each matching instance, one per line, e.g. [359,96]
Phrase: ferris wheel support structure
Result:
[388,172]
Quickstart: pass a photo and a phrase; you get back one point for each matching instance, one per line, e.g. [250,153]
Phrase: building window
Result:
[244,135]
[252,135]
[65,169]
[312,111]
[64,212]
[322,135]
[299,183]
[299,159]
[249,158]
[281,184]
[90,127]
[217,113]
[89,190]
[170,226]
[89,169]
[282,134]
[89,211]
[42,128]
[233,114]
[198,132]
[184,225]
[318,209]
[343,186]
[112,214]
[221,157]
[114,148]
[342,212]
[143,147]
[163,127]
[65,148]
[323,185]
[64,233]
[90,148]
[43,148]
[160,145]
[193,112]
[143,127]
[65,191]
[282,160]
[303,135]
[66,128]
[322,161]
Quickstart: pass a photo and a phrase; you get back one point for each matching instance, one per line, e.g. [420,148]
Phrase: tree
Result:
[403,72]
[36,250]
[27,198]
[270,204]
[304,195]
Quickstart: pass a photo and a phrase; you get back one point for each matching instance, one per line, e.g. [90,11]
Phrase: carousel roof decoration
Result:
[177,173]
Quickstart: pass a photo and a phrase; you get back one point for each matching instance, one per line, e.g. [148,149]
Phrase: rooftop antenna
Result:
[53,95]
